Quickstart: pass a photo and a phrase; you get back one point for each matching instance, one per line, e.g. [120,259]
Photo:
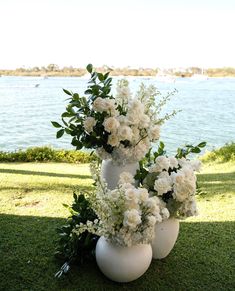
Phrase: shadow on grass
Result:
[48,174]
[60,187]
[203,259]
[217,183]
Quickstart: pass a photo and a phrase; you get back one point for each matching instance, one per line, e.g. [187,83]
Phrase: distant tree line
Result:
[55,70]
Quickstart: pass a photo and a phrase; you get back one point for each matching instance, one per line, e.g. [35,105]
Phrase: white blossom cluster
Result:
[176,177]
[127,215]
[132,123]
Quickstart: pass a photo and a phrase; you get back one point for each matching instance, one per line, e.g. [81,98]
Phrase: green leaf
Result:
[100,76]
[161,145]
[196,150]
[56,124]
[89,68]
[202,144]
[66,114]
[60,133]
[67,92]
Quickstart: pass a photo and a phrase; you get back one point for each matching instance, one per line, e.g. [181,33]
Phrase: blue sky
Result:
[140,33]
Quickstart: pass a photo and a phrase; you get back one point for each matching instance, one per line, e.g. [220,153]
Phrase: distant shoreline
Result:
[54,71]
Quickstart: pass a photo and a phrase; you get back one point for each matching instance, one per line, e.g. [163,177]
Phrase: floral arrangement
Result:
[172,179]
[121,127]
[127,215]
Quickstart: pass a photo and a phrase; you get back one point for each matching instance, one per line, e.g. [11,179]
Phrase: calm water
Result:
[208,110]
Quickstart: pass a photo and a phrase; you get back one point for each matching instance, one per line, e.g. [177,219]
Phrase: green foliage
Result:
[47,154]
[221,155]
[80,107]
[73,248]
[188,149]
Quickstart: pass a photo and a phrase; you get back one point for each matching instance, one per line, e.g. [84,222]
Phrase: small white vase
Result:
[110,172]
[166,234]
[122,264]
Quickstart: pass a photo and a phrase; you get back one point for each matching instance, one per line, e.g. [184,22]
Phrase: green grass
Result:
[31,197]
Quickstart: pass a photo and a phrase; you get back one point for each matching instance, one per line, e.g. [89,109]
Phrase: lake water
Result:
[207,110]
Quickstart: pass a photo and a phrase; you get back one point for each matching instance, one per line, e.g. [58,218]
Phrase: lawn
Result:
[31,197]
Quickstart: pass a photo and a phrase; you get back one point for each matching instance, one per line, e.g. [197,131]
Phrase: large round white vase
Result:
[122,264]
[110,172]
[166,234]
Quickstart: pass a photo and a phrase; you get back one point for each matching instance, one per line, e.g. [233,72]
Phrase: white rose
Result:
[163,185]
[183,186]
[110,106]
[162,163]
[111,124]
[98,105]
[124,132]
[131,218]
[89,123]
[132,195]
[143,194]
[113,140]
[173,162]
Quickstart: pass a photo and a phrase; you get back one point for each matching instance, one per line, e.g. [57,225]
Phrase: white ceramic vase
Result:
[111,172]
[122,264]
[166,234]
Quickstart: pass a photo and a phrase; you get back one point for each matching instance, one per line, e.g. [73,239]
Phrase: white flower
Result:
[144,121]
[132,195]
[152,220]
[152,204]
[124,132]
[111,124]
[184,184]
[89,123]
[136,107]
[143,194]
[165,213]
[110,106]
[131,218]
[113,140]
[126,177]
[99,105]
[163,184]
[161,163]
[114,194]
[154,132]
[173,162]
